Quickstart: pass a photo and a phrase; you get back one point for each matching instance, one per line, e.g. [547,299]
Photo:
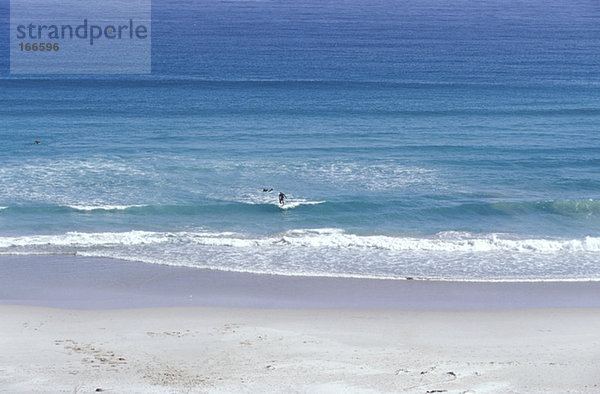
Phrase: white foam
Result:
[317,238]
[309,231]
[333,252]
[104,207]
[448,242]
[3,208]
[272,198]
[293,203]
[65,181]
[319,272]
[77,239]
[373,177]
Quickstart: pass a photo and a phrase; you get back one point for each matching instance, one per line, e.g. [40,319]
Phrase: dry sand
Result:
[197,349]
[364,336]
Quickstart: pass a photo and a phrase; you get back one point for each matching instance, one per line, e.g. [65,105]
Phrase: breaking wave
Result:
[332,252]
[450,241]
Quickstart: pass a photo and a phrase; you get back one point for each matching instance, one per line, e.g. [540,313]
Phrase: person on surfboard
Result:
[281,198]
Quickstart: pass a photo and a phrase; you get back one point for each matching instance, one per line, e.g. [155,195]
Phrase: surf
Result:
[447,241]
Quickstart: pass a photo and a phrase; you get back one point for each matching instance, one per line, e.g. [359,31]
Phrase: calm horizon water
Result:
[412,138]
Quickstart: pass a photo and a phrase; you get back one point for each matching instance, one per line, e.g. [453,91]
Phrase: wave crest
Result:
[450,241]
[88,208]
[447,255]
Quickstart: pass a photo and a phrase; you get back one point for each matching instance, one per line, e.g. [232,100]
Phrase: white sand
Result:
[125,327]
[196,349]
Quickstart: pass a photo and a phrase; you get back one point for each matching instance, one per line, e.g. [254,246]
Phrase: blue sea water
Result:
[426,139]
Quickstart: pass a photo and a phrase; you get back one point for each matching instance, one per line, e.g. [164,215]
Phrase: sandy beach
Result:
[271,335]
[250,196]
[199,349]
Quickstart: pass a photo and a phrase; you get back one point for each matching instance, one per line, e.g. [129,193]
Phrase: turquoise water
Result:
[412,140]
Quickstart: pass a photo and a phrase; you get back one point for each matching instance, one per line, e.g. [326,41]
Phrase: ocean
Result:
[413,139]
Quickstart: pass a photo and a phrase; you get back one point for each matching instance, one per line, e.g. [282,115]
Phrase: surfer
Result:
[37,142]
[281,198]
[265,190]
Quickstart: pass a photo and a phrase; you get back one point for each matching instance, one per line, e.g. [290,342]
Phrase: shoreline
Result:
[75,324]
[74,282]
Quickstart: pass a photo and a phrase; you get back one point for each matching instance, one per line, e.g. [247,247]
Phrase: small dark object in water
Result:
[37,142]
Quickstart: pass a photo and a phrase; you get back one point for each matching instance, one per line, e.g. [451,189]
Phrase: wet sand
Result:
[73,324]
